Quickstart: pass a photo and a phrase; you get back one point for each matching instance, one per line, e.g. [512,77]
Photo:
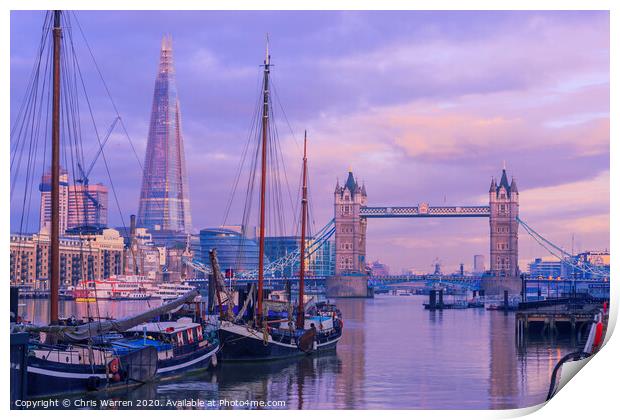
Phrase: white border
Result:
[592,395]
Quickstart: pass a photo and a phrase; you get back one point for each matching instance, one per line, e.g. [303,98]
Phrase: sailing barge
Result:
[112,354]
[259,331]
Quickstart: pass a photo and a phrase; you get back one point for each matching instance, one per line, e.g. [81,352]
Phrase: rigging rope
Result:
[563,256]
[32,127]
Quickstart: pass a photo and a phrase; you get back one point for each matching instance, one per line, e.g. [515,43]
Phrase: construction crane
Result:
[84,174]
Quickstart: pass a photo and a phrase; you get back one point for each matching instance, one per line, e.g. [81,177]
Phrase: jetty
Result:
[555,316]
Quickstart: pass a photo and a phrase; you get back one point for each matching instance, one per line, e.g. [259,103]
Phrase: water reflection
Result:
[393,355]
[503,370]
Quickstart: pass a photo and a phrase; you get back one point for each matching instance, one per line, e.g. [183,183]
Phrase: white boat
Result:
[168,291]
[121,287]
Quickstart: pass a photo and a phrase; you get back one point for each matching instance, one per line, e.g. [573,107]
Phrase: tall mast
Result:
[263,183]
[302,245]
[55,228]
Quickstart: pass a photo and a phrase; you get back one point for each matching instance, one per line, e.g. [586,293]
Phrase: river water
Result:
[393,355]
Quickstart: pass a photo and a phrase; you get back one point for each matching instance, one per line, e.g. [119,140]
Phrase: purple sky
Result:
[424,106]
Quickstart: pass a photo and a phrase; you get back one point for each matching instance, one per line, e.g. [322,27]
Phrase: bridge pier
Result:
[496,285]
[349,286]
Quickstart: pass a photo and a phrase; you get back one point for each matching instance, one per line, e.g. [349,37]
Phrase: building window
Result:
[117,263]
[346,228]
[91,268]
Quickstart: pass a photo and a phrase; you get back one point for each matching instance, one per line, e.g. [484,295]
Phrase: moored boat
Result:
[181,345]
[243,343]
[121,287]
[264,329]
[63,369]
[111,354]
[169,291]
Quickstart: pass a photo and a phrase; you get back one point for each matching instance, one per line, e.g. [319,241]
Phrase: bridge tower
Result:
[350,227]
[504,239]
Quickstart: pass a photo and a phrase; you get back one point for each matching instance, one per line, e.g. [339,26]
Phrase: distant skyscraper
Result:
[164,198]
[479,264]
[45,212]
[88,206]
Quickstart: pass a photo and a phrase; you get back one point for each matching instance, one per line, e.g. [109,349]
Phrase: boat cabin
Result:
[171,338]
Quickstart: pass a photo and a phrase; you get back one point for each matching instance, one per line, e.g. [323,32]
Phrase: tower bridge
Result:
[352,212]
[351,216]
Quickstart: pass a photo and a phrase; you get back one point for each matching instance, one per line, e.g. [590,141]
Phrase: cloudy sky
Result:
[423,106]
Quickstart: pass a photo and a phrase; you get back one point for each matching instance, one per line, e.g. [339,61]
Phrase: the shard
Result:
[164,197]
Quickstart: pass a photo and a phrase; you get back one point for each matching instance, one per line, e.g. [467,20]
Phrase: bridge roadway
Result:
[536,288]
[470,282]
[424,210]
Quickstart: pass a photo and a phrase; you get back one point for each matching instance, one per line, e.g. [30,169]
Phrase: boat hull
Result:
[50,378]
[199,359]
[240,344]
[46,377]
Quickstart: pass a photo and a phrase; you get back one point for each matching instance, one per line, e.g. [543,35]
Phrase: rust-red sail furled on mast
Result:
[302,244]
[55,193]
[263,185]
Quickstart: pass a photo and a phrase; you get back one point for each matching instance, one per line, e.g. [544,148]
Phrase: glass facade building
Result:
[164,196]
[323,261]
[320,263]
[235,252]
[88,206]
[547,269]
[45,212]
[240,253]
[277,247]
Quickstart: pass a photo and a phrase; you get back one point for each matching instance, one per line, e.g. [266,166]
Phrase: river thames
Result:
[393,355]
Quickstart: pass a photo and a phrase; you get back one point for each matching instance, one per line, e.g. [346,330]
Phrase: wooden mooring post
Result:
[18,373]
